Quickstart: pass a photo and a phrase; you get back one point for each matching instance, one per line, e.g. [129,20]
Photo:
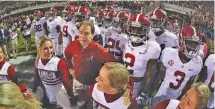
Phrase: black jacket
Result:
[4,38]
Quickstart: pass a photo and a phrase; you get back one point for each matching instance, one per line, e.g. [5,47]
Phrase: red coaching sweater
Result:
[86,62]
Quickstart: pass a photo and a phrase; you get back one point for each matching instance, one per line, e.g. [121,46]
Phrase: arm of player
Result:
[188,86]
[98,39]
[106,56]
[46,28]
[36,81]
[149,74]
[202,75]
[159,76]
[32,28]
[58,28]
[64,75]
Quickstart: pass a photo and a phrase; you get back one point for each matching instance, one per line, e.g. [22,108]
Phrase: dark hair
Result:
[89,23]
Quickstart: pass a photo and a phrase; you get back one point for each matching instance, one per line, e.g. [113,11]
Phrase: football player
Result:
[158,32]
[180,66]
[39,25]
[140,55]
[53,27]
[68,29]
[115,39]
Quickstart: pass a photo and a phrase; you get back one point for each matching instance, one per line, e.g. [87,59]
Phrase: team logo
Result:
[90,58]
[171,62]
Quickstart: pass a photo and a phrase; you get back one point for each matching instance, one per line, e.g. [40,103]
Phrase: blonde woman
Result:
[111,90]
[52,72]
[12,98]
[196,98]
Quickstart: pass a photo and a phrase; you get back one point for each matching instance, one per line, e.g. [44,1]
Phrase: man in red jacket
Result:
[85,57]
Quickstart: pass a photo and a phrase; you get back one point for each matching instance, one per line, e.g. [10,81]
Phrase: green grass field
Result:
[21,46]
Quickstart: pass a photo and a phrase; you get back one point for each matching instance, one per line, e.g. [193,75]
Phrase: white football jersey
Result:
[177,73]
[136,58]
[37,27]
[69,31]
[97,30]
[99,101]
[52,28]
[116,42]
[168,38]
[103,33]
[210,63]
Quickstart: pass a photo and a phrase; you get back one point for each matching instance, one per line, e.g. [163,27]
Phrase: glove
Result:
[34,89]
[73,101]
[143,100]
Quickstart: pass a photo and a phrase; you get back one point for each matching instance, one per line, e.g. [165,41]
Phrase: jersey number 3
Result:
[180,75]
[131,63]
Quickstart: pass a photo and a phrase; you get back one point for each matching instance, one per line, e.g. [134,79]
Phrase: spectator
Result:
[25,29]
[12,98]
[13,40]
[4,37]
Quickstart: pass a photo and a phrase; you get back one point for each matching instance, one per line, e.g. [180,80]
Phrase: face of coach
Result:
[86,32]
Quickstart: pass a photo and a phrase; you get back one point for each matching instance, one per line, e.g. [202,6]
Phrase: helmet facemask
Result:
[190,47]
[138,33]
[37,17]
[99,20]
[118,24]
[108,21]
[157,24]
[66,16]
[51,15]
[79,17]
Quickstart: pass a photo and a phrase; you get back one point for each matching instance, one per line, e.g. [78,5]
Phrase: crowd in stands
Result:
[203,17]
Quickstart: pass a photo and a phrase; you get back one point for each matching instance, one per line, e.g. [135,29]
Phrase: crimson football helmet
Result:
[120,19]
[189,41]
[81,14]
[109,8]
[52,13]
[139,28]
[100,17]
[108,19]
[158,18]
[37,15]
[68,12]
